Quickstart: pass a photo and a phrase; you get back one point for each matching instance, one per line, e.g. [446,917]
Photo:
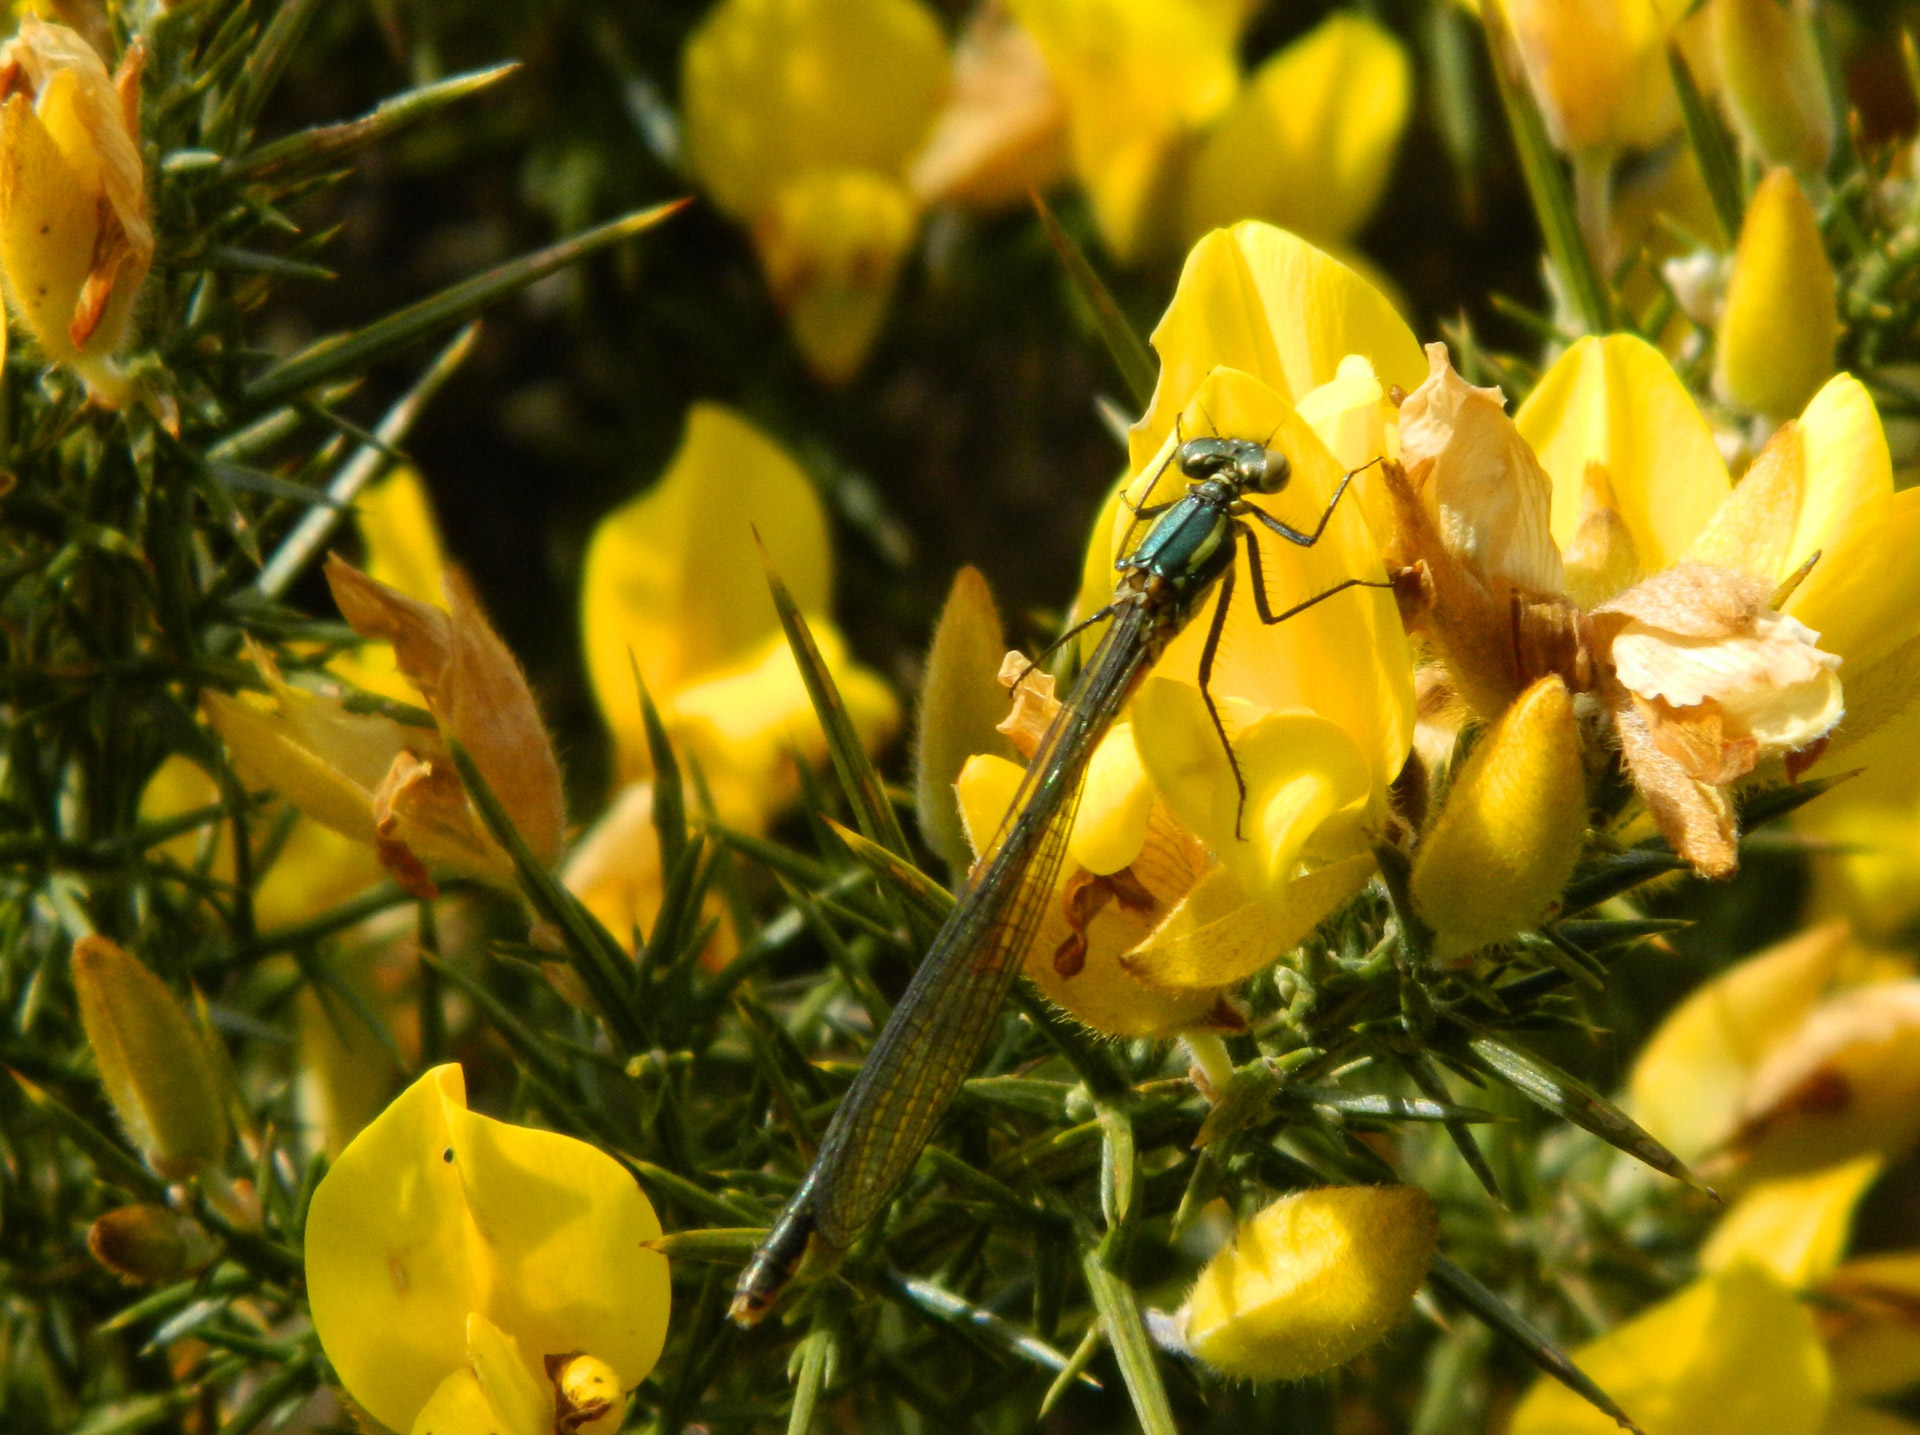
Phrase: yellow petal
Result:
[1261,300]
[1731,1354]
[1775,342]
[1868,867]
[673,582]
[1687,1083]
[1311,1281]
[316,868]
[459,1406]
[1096,988]
[49,221]
[1311,140]
[391,1256]
[151,1059]
[1116,799]
[1616,402]
[831,241]
[266,754]
[745,722]
[1773,83]
[1345,659]
[1308,788]
[524,1405]
[1219,935]
[1137,76]
[1796,1227]
[1506,840]
[775,88]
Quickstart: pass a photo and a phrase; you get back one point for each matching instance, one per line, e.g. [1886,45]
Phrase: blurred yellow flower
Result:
[1774,348]
[1773,83]
[1168,142]
[1310,141]
[1733,1353]
[1866,861]
[674,586]
[471,1277]
[1599,69]
[1311,1281]
[1003,130]
[802,118]
[75,243]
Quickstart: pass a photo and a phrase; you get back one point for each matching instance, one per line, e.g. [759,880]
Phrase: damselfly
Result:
[936,1033]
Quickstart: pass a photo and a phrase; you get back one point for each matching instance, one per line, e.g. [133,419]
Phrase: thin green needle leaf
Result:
[669,792]
[1075,1368]
[1532,1343]
[113,1162]
[1546,181]
[816,1357]
[1571,1099]
[865,792]
[922,894]
[1000,1333]
[1428,1079]
[327,144]
[1719,167]
[1131,356]
[1767,804]
[601,962]
[1127,1333]
[1621,872]
[353,351]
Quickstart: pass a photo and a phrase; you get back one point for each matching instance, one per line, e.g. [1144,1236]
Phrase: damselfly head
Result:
[1249,466]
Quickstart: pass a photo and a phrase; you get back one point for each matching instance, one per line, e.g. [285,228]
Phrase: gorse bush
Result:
[536,898]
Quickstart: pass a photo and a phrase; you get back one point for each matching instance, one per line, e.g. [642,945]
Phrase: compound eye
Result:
[1276,473]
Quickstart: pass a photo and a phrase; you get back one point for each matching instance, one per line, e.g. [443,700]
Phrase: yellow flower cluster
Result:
[827,128]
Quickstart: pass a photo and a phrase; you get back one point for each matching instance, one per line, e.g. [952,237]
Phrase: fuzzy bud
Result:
[1507,839]
[1776,337]
[1311,1281]
[1772,83]
[156,1071]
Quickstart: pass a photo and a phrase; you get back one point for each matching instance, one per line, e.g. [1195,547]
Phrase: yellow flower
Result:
[1866,861]
[152,1061]
[1319,708]
[675,586]
[1772,81]
[1689,1080]
[1512,828]
[457,1265]
[1003,130]
[1311,1281]
[1599,69]
[392,786]
[1309,143]
[1775,343]
[802,117]
[74,239]
[1732,1353]
[1137,77]
[1795,1226]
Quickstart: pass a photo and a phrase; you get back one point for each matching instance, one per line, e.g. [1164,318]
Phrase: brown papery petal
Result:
[1695,600]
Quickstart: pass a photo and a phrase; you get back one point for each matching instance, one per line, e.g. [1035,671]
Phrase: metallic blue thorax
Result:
[1190,543]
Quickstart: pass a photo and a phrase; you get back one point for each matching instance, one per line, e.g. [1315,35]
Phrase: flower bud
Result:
[151,1244]
[1506,840]
[1311,1281]
[156,1071]
[1598,70]
[1772,81]
[1775,344]
[74,239]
